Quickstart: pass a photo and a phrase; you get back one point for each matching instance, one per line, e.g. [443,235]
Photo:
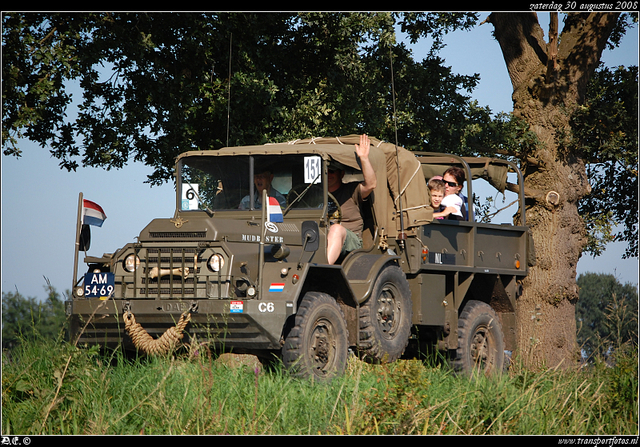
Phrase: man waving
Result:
[347,235]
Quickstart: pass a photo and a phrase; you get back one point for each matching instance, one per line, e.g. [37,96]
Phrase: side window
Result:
[493,206]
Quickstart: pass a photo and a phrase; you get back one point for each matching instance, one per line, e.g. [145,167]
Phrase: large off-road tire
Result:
[480,341]
[385,317]
[317,346]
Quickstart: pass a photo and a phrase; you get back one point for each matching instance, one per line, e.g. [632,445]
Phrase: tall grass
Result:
[51,387]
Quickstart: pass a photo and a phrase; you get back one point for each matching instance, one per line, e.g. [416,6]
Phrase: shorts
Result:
[351,242]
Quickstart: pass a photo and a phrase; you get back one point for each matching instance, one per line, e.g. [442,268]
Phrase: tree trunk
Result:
[549,81]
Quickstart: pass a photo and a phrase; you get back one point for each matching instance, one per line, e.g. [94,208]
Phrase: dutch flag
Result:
[276,287]
[92,213]
[274,212]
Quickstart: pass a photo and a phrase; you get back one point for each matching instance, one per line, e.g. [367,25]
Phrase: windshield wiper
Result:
[192,191]
[297,199]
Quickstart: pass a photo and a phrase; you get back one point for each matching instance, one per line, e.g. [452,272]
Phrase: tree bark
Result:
[549,81]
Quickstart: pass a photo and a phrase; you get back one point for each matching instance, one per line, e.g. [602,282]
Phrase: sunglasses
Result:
[452,184]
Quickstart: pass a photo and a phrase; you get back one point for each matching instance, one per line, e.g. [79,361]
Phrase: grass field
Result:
[52,387]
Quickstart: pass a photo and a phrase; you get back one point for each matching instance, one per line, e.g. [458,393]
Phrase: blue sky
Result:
[39,200]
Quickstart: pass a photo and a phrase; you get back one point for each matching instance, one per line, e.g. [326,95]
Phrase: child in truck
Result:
[436,190]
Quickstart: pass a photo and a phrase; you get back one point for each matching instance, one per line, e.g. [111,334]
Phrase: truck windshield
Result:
[225,183]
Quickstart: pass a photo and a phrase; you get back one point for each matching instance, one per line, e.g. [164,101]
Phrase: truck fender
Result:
[362,271]
[329,279]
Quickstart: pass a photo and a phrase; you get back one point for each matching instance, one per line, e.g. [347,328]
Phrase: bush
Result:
[29,318]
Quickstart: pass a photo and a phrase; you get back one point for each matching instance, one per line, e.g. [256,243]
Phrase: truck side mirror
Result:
[85,238]
[310,239]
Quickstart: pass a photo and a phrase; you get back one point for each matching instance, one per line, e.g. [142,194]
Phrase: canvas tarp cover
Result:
[411,187]
[493,170]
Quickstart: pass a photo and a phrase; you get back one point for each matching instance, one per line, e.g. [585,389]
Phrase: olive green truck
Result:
[257,280]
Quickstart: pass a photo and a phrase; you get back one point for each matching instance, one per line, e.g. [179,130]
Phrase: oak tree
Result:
[549,81]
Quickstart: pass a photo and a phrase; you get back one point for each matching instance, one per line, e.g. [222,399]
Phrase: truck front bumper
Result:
[229,324]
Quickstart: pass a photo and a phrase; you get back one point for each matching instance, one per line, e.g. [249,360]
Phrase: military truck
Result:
[257,280]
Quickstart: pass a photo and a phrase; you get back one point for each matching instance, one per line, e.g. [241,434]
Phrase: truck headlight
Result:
[215,262]
[131,263]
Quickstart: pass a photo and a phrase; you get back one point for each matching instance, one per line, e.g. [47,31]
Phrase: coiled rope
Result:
[155,346]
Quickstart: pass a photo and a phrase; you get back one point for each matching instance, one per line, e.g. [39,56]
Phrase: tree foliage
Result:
[605,130]
[607,313]
[154,84]
[103,89]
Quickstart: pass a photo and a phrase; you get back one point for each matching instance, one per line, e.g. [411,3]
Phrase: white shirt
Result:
[455,201]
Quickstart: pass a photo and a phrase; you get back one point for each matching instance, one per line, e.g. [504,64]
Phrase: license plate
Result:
[99,285]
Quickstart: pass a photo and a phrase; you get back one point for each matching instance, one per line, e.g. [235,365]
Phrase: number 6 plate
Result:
[99,285]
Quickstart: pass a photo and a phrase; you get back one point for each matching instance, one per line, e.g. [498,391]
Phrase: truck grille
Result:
[175,273]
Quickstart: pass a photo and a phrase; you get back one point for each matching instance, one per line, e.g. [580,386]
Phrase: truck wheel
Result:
[480,340]
[385,317]
[317,345]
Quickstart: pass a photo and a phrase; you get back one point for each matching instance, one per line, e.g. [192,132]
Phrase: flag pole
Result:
[263,233]
[77,246]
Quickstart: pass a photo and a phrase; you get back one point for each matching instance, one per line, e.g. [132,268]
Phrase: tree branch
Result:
[549,198]
[582,41]
[522,43]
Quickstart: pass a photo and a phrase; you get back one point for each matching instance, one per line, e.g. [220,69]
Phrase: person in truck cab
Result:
[346,236]
[262,180]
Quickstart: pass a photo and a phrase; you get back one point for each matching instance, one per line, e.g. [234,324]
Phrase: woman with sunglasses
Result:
[453,202]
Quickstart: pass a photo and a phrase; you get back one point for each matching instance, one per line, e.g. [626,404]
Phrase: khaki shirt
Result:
[350,200]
